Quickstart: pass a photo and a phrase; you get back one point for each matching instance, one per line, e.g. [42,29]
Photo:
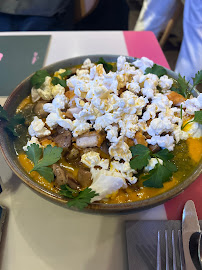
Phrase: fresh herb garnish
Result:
[12,122]
[50,156]
[141,155]
[66,73]
[181,111]
[56,80]
[79,199]
[106,65]
[156,69]
[39,78]
[161,172]
[62,81]
[197,118]
[198,78]
[183,85]
[3,113]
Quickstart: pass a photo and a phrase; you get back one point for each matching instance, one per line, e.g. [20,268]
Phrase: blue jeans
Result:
[58,22]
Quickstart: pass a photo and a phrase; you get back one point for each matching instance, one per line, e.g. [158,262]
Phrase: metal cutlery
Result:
[190,236]
[177,251]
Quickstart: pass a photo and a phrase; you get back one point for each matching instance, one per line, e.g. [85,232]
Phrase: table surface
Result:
[41,235]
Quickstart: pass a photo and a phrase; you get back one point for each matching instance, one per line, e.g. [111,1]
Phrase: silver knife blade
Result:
[190,225]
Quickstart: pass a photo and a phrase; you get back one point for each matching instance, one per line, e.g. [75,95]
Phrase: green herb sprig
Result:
[156,69]
[39,78]
[50,156]
[161,172]
[79,199]
[11,122]
[106,65]
[62,82]
[183,85]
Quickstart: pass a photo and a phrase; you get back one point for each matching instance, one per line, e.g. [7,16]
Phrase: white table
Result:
[41,235]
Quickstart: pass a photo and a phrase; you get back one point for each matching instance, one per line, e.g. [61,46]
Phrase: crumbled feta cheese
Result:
[80,127]
[45,90]
[38,129]
[57,90]
[125,170]
[163,141]
[87,64]
[165,83]
[133,87]
[193,104]
[143,63]
[120,150]
[34,95]
[120,62]
[112,133]
[179,134]
[60,101]
[51,120]
[158,126]
[152,163]
[92,159]
[105,184]
[31,141]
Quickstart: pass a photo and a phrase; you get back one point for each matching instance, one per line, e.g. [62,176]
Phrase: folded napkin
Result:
[141,237]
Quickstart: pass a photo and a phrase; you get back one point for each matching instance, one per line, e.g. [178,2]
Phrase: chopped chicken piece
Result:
[90,139]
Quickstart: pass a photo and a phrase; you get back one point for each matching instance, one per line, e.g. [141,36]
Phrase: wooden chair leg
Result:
[171,23]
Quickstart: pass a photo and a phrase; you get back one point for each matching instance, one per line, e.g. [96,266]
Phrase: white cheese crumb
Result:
[163,141]
[31,141]
[152,163]
[38,129]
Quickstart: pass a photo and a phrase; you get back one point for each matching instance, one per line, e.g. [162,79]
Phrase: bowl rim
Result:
[96,206]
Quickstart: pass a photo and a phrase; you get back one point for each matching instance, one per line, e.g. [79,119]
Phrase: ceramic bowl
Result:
[22,91]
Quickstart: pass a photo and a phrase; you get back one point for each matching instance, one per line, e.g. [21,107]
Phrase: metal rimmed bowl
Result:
[7,147]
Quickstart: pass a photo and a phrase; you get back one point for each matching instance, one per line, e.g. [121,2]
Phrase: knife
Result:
[190,225]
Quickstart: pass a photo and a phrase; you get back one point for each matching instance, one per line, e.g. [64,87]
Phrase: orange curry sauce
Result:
[188,152]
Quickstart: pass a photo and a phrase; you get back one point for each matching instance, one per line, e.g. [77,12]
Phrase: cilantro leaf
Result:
[68,192]
[47,173]
[106,65]
[141,156]
[39,78]
[66,73]
[79,199]
[164,155]
[12,122]
[160,174]
[34,152]
[156,69]
[16,120]
[50,156]
[198,117]
[3,113]
[183,85]
[83,199]
[198,78]
[56,80]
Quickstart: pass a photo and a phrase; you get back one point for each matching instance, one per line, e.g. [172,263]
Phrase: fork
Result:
[176,249]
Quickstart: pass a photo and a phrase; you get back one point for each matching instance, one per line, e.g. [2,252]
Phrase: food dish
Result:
[120,109]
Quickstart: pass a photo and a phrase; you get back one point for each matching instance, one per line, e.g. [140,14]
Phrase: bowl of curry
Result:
[104,132]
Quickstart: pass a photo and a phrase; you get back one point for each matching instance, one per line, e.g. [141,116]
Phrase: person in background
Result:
[36,15]
[154,17]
